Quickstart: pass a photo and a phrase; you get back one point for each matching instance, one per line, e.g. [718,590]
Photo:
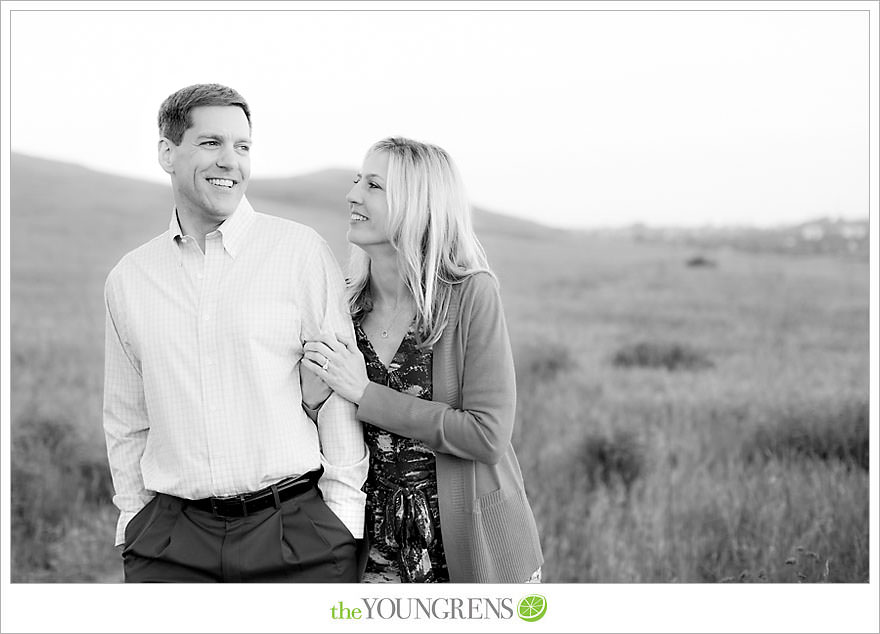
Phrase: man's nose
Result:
[226,157]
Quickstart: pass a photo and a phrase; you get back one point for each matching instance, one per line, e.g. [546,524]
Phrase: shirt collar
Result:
[235,227]
[232,230]
[174,226]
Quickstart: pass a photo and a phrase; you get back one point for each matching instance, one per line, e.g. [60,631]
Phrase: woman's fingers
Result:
[313,367]
[319,359]
[318,346]
[339,363]
[340,343]
[346,340]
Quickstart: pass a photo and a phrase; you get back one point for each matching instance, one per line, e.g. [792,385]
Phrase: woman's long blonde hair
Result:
[430,226]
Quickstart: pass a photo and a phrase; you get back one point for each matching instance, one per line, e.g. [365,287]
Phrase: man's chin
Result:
[225,208]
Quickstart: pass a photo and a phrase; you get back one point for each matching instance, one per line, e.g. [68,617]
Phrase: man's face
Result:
[211,166]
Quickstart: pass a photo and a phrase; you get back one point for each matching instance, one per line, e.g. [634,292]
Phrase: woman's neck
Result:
[387,286]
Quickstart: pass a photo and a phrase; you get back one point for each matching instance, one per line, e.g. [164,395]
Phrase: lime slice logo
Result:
[532,607]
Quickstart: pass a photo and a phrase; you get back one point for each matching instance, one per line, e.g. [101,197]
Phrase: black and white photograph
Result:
[567,307]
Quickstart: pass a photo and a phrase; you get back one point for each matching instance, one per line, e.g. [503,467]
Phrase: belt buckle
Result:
[216,509]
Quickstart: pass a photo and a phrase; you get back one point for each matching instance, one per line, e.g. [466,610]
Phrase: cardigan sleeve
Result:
[481,430]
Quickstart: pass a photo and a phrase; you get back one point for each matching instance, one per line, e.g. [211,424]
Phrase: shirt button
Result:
[213,407]
[207,317]
[199,276]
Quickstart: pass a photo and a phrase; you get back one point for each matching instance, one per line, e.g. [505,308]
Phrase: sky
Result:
[569,118]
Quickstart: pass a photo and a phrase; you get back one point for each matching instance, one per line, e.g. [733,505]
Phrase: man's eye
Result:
[210,143]
[244,148]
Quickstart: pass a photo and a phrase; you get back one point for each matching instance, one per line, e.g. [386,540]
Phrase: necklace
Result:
[384,332]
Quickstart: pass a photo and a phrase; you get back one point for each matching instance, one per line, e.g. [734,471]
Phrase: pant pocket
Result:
[312,536]
[328,523]
[155,536]
[140,521]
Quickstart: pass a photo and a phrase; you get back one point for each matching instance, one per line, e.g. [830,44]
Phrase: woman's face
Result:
[368,203]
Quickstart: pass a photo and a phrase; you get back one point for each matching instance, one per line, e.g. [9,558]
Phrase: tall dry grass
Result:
[62,521]
[750,465]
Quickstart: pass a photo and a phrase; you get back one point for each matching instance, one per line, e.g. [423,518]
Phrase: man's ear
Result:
[166,155]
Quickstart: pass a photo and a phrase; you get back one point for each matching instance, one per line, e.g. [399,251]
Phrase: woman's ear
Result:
[166,155]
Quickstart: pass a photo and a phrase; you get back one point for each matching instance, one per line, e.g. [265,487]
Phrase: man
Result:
[214,461]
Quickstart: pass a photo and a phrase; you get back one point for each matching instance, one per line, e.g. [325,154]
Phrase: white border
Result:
[572,607]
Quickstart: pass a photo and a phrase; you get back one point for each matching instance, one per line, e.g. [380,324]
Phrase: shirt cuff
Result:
[341,488]
[125,517]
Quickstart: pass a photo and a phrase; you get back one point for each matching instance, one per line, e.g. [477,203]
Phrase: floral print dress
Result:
[403,516]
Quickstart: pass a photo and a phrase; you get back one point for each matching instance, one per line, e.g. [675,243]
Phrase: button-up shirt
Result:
[202,388]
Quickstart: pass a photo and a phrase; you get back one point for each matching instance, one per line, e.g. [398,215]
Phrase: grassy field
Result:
[675,424]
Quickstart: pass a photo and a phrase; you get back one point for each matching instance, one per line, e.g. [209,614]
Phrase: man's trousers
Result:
[300,541]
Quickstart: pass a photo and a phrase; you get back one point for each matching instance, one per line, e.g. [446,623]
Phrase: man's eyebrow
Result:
[214,136]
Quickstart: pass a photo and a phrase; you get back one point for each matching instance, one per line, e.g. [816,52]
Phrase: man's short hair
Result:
[174,115]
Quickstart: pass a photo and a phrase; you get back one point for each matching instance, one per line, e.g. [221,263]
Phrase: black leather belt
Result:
[248,503]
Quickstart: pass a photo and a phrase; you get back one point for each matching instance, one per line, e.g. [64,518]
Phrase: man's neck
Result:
[195,227]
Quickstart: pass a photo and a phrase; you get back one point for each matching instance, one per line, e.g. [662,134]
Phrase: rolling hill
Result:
[54,201]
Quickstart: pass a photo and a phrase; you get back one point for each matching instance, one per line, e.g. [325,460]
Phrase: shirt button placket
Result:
[208,348]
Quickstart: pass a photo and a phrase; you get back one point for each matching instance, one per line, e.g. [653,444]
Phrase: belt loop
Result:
[244,512]
[275,495]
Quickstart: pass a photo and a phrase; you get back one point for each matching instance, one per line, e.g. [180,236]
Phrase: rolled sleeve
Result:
[344,454]
[345,459]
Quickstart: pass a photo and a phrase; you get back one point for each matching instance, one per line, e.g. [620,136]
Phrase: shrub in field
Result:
[672,356]
[699,261]
[617,460]
[822,432]
[55,475]
[542,362]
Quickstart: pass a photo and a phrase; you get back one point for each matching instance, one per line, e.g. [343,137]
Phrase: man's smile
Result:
[226,183]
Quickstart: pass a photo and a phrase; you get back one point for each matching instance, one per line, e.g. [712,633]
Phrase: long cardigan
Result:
[489,532]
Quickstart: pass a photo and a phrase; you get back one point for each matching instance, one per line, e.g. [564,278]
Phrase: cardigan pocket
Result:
[489,500]
[504,538]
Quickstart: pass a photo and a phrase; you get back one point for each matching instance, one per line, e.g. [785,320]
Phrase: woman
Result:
[431,372]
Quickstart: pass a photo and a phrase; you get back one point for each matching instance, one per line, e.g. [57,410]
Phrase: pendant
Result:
[384,334]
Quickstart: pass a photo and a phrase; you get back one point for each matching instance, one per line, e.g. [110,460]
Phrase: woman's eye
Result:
[374,186]
[356,180]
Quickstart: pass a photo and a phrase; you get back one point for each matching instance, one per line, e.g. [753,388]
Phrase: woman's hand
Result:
[314,390]
[337,361]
